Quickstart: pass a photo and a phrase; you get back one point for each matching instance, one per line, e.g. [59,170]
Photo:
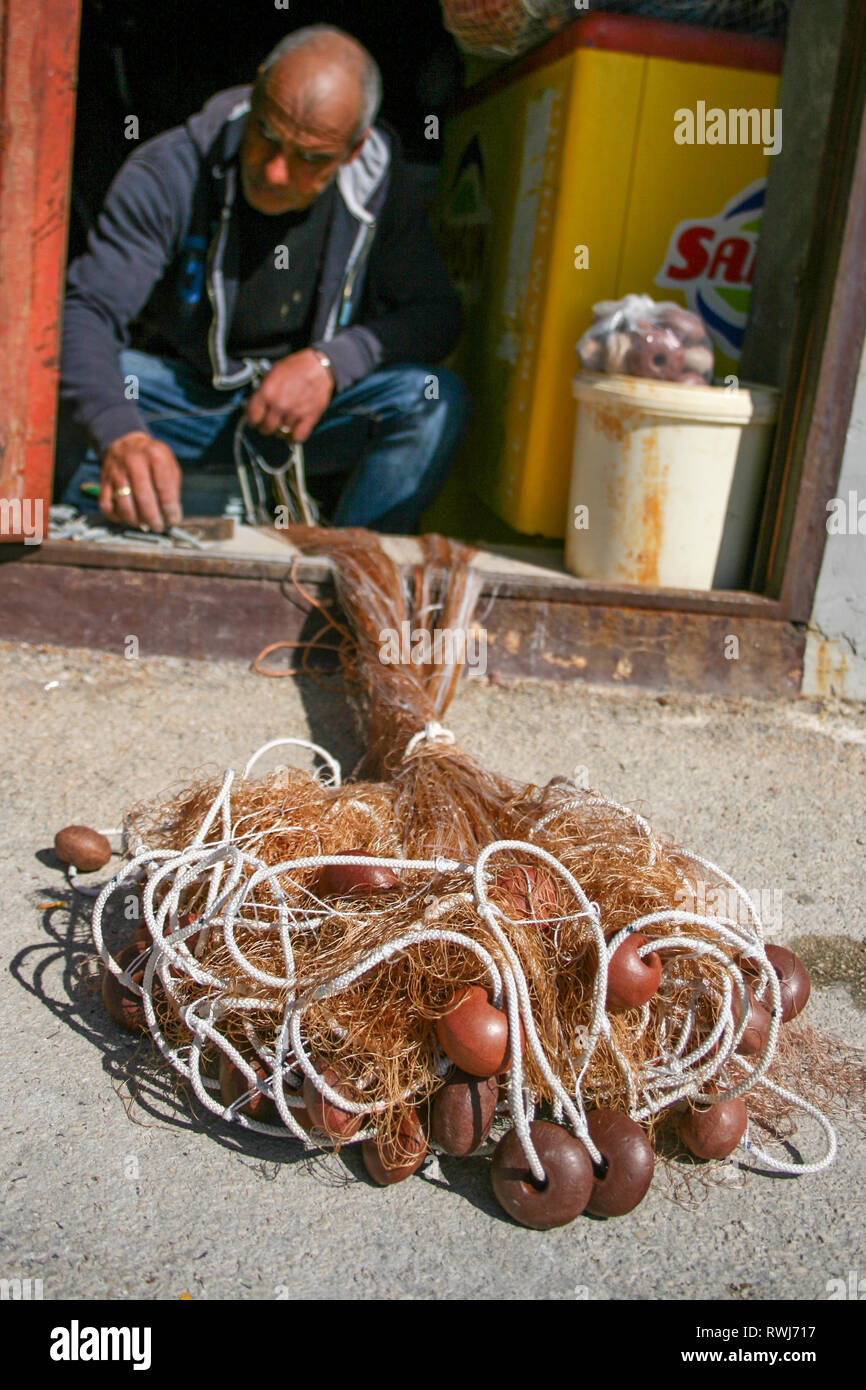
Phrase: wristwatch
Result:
[326,363]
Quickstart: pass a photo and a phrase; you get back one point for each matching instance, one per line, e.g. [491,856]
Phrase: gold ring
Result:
[123,492]
[285,429]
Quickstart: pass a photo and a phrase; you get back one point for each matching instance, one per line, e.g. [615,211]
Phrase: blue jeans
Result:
[381,451]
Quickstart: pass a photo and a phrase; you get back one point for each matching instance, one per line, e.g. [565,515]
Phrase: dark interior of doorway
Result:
[160,60]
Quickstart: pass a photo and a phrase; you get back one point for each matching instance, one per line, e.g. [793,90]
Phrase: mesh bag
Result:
[507,28]
[635,336]
[504,28]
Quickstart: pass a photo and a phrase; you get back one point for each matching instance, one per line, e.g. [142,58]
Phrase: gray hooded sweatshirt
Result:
[161,265]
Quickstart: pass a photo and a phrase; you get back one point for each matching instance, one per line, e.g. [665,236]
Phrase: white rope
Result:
[755,1149]
[232,875]
[431,733]
[298,743]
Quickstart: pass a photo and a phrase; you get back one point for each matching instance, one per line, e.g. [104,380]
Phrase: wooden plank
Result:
[222,619]
[546,586]
[210,528]
[38,48]
[711,653]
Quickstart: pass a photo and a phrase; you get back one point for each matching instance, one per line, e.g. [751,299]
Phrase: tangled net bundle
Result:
[264,974]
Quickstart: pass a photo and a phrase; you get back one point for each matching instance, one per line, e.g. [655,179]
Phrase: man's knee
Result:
[434,386]
[439,421]
[453,398]
[432,401]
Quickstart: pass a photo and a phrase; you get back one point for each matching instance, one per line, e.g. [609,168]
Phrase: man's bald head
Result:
[321,62]
[315,96]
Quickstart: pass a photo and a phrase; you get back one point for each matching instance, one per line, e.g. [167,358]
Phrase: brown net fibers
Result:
[307,939]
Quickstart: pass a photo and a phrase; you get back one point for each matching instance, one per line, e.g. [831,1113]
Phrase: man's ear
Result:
[356,149]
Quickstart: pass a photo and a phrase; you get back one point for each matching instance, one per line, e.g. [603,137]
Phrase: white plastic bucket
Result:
[667,481]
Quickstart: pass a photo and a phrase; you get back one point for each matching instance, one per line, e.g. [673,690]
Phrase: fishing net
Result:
[332,961]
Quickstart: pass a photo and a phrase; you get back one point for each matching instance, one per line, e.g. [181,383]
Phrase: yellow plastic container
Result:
[575,148]
[667,481]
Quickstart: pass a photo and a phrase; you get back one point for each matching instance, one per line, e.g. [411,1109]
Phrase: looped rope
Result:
[298,743]
[431,733]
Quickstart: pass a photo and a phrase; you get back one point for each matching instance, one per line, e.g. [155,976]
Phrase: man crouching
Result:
[268,261]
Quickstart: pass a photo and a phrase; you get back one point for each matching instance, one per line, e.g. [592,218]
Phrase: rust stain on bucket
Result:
[650,520]
[612,424]
[635,497]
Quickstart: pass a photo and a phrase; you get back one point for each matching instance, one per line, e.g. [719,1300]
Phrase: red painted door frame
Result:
[38,67]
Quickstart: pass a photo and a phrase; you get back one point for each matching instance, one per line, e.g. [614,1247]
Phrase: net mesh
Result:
[507,28]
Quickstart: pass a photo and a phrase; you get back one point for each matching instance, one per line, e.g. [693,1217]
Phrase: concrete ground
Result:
[113,1188]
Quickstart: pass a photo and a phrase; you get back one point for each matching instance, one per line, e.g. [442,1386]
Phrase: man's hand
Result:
[141,483]
[293,397]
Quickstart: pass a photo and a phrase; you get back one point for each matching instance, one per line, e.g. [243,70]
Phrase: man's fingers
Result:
[116,499]
[273,420]
[120,509]
[256,409]
[141,486]
[166,476]
[106,500]
[143,494]
[294,395]
[276,419]
[271,416]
